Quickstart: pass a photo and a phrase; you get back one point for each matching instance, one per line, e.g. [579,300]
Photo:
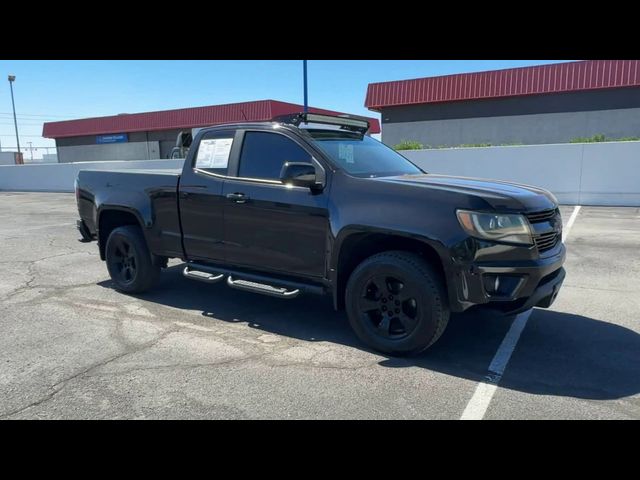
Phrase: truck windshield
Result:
[362,156]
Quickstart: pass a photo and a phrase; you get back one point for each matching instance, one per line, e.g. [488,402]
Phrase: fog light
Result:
[491,283]
[501,285]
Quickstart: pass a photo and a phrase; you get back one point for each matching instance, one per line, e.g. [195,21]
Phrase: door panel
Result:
[276,228]
[201,211]
[201,196]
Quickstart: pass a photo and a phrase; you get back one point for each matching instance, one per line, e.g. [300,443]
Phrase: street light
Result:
[12,78]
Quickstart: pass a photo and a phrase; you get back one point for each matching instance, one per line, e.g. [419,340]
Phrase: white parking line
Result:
[479,403]
[570,222]
[477,406]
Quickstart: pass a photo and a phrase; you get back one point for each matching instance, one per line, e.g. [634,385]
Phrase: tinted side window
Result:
[263,155]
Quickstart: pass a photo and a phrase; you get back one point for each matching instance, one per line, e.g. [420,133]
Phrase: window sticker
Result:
[345,152]
[214,153]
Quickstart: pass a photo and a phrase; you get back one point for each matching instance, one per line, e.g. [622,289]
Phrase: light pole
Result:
[304,75]
[12,78]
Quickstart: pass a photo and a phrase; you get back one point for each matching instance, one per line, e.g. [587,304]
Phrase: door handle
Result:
[184,194]
[237,197]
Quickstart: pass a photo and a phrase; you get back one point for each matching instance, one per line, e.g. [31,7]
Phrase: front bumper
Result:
[526,284]
[545,294]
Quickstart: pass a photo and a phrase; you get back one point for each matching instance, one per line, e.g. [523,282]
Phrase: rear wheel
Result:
[396,303]
[131,266]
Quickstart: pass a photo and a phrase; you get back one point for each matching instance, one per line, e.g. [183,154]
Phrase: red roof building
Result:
[183,118]
[543,79]
[153,134]
[540,104]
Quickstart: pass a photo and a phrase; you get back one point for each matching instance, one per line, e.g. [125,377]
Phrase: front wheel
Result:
[396,303]
[130,264]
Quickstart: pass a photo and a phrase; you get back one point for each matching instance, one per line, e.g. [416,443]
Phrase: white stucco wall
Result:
[581,173]
[605,173]
[59,177]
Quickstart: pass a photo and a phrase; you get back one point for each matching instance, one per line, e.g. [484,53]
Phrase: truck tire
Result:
[396,303]
[131,266]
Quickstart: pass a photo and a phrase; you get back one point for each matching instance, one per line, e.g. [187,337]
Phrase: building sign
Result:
[114,138]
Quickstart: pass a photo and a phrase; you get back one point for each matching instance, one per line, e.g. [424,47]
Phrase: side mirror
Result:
[299,174]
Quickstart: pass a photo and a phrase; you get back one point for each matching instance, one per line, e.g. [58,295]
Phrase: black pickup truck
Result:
[310,204]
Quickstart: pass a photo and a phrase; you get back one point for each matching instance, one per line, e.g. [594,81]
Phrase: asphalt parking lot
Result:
[72,347]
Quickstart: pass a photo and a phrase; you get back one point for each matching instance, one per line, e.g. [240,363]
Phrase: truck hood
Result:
[499,194]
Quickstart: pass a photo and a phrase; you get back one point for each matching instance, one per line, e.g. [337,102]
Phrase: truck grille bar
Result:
[547,240]
[544,216]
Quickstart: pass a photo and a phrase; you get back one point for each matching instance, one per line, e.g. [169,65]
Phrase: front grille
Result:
[546,241]
[543,216]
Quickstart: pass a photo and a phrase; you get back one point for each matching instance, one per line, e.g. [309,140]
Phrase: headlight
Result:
[496,226]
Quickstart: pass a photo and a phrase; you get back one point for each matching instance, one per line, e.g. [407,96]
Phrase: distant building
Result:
[46,158]
[7,158]
[11,158]
[152,135]
[531,105]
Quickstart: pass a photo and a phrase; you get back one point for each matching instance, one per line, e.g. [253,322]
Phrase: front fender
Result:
[351,232]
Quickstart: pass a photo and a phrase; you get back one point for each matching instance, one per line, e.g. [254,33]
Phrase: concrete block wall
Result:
[59,177]
[581,173]
[605,173]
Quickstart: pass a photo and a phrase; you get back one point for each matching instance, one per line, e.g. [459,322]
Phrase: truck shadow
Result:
[558,354]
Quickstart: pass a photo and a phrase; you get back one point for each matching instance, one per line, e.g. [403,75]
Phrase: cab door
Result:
[201,197]
[267,225]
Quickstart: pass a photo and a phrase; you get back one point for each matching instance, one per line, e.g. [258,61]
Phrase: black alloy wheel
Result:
[131,266]
[124,260]
[389,306]
[396,302]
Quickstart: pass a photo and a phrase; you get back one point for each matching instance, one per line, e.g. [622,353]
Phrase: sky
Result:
[53,90]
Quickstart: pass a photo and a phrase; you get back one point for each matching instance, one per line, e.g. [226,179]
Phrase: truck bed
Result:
[152,194]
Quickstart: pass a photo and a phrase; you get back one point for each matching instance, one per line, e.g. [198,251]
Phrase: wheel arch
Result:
[357,245]
[112,217]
